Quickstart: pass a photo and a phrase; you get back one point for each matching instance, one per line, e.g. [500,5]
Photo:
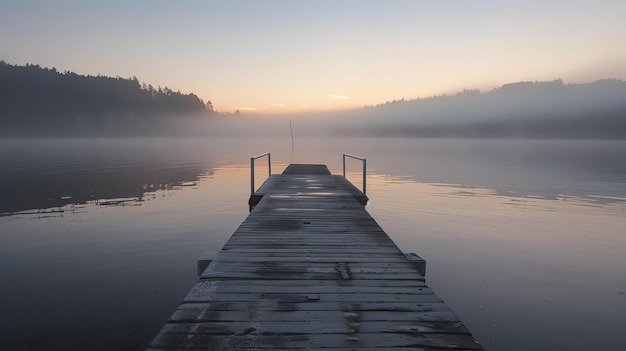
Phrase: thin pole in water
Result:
[292,143]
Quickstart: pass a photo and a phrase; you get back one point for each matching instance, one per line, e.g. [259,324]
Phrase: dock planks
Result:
[311,269]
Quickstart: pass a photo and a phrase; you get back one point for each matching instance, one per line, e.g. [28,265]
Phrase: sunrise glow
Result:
[279,56]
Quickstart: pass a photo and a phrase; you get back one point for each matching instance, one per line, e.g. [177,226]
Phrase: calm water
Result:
[525,240]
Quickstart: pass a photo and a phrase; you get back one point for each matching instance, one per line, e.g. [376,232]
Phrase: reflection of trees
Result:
[36,100]
[44,191]
[49,173]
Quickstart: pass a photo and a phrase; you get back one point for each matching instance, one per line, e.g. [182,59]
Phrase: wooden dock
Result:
[311,269]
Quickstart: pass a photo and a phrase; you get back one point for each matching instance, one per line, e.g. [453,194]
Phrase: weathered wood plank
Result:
[364,283]
[312,259]
[317,276]
[339,253]
[312,327]
[322,266]
[253,340]
[198,296]
[194,311]
[262,315]
[306,169]
[241,286]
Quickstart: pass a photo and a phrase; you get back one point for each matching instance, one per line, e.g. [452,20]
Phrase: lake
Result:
[525,239]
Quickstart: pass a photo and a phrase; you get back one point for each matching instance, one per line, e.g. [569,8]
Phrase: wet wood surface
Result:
[311,269]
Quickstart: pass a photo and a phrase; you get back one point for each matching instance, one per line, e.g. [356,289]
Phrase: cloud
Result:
[244,108]
[304,106]
[338,97]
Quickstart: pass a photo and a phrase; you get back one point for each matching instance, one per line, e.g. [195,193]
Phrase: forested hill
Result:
[36,101]
[520,110]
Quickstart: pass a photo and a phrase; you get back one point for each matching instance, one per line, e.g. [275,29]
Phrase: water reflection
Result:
[50,174]
[523,238]
[523,272]
[106,274]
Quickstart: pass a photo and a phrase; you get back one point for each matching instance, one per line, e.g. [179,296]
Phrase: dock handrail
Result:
[269,167]
[364,168]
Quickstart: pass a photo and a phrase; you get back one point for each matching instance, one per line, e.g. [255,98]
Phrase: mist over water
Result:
[510,229]
[536,110]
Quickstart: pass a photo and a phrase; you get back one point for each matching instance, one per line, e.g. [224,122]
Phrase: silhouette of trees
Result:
[41,101]
[209,106]
[551,109]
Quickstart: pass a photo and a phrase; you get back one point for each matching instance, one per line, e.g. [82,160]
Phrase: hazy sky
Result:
[307,55]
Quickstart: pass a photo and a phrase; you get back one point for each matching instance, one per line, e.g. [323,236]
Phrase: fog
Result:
[520,110]
[554,109]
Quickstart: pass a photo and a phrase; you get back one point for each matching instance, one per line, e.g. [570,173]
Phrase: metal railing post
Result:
[269,169]
[364,175]
[364,161]
[251,175]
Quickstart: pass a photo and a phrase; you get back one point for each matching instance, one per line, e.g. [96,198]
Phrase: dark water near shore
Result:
[524,238]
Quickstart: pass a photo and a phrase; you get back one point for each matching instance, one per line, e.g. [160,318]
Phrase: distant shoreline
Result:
[38,102]
[42,102]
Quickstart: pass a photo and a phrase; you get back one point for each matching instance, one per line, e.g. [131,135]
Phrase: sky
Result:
[288,56]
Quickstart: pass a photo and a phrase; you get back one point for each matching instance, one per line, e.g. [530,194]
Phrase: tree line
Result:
[38,101]
[595,110]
